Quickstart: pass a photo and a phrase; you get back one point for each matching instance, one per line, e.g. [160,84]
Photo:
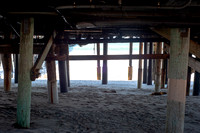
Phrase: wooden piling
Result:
[67,65]
[51,78]
[158,69]
[166,70]
[178,64]
[139,83]
[98,63]
[196,85]
[188,81]
[154,61]
[130,68]
[63,76]
[25,65]
[105,67]
[7,67]
[52,82]
[16,68]
[163,72]
[145,65]
[149,81]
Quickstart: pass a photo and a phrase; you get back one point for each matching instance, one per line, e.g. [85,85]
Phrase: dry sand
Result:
[90,107]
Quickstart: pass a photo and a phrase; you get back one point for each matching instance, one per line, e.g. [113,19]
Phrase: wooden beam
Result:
[194,64]
[26,63]
[139,83]
[110,57]
[194,47]
[38,64]
[117,40]
[7,68]
[178,64]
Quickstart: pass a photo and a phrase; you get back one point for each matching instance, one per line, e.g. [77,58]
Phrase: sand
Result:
[90,107]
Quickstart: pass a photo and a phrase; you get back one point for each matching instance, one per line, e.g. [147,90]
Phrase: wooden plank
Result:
[145,65]
[25,65]
[139,83]
[7,68]
[105,67]
[178,64]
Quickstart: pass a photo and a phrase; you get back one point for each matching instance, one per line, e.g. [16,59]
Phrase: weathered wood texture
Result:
[98,63]
[158,68]
[139,83]
[145,65]
[7,68]
[25,65]
[196,86]
[149,81]
[51,79]
[178,64]
[105,67]
[52,82]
